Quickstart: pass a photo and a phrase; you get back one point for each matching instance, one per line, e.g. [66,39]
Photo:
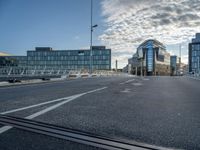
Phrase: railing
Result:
[25,73]
[31,71]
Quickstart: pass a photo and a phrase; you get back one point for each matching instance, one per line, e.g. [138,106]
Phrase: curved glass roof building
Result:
[154,59]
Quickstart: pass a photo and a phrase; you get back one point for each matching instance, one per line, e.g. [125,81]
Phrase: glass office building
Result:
[11,61]
[174,65]
[194,55]
[46,57]
[153,57]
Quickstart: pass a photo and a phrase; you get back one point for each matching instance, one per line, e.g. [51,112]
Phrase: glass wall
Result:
[70,59]
[155,58]
[150,56]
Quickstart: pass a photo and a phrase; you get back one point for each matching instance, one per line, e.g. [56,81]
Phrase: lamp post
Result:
[198,69]
[180,53]
[91,37]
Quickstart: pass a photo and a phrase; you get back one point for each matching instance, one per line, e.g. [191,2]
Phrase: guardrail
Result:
[16,74]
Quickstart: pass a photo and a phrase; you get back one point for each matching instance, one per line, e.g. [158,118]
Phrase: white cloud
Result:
[130,22]
[184,59]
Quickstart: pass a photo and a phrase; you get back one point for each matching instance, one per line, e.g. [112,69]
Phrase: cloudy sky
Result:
[129,22]
[123,25]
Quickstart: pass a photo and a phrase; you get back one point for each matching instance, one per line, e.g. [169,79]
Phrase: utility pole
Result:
[116,65]
[180,53]
[91,30]
[141,68]
[91,37]
[198,69]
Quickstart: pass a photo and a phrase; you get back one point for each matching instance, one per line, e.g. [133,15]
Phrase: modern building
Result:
[70,59]
[154,58]
[133,65]
[175,65]
[18,61]
[47,58]
[194,55]
[151,59]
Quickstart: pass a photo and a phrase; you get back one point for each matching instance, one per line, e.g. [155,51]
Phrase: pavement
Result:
[161,111]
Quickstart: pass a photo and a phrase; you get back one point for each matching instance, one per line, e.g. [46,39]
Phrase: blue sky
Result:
[61,24]
[123,25]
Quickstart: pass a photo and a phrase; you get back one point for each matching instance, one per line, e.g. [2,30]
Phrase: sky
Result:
[122,25]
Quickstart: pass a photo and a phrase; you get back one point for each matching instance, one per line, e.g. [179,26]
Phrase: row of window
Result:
[97,67]
[195,65]
[68,53]
[196,59]
[196,47]
[68,62]
[195,53]
[63,58]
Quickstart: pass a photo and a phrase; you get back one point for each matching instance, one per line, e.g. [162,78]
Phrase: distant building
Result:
[47,58]
[18,61]
[154,59]
[133,65]
[151,59]
[194,55]
[174,65]
[125,69]
[70,59]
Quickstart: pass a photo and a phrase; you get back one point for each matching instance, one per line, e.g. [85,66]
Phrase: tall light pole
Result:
[180,53]
[198,61]
[91,36]
[116,65]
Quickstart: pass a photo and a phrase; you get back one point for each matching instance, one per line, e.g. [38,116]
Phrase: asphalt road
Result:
[161,111]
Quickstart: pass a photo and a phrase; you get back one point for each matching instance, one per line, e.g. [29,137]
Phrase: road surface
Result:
[161,111]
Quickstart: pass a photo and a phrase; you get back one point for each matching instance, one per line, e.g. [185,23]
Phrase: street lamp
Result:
[91,36]
[198,69]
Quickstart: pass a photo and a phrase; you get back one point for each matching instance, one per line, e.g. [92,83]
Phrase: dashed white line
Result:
[145,79]
[137,84]
[127,81]
[126,91]
[6,128]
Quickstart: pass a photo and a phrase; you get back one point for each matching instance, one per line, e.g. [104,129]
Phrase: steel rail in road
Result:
[73,135]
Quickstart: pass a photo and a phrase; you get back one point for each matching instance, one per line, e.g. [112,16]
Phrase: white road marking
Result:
[35,105]
[127,81]
[137,84]
[6,128]
[51,108]
[126,91]
[145,79]
[48,102]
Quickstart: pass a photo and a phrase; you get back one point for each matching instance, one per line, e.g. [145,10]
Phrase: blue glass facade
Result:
[194,55]
[18,61]
[153,58]
[47,58]
[174,64]
[70,59]
[150,56]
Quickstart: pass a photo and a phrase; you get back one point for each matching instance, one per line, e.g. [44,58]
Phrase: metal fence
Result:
[26,73]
